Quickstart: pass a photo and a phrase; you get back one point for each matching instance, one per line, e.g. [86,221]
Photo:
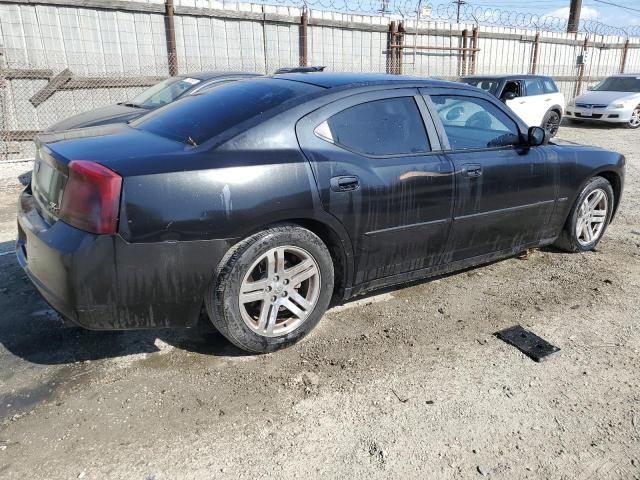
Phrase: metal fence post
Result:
[391,49]
[304,23]
[474,52]
[625,53]
[585,45]
[463,67]
[171,38]
[4,117]
[399,50]
[536,51]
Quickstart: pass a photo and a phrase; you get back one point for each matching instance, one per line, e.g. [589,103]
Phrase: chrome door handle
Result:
[472,170]
[345,183]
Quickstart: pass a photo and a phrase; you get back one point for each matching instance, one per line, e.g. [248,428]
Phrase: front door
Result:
[505,192]
[380,171]
[520,105]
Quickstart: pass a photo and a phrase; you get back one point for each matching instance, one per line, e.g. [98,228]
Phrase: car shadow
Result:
[590,125]
[31,330]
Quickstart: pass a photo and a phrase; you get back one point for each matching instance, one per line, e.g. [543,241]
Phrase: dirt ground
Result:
[410,383]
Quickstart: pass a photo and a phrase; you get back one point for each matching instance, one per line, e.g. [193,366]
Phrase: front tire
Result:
[589,217]
[634,121]
[551,122]
[271,289]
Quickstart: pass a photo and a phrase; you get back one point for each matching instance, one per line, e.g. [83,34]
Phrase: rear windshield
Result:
[619,84]
[195,119]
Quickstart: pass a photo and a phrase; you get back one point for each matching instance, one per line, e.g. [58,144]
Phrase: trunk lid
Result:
[120,148]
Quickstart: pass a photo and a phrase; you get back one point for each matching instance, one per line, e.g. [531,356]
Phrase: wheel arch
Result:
[556,108]
[337,241]
[616,183]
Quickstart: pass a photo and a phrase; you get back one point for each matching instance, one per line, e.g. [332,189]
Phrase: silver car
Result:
[615,99]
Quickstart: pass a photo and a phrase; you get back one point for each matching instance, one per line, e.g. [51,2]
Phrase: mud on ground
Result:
[407,384]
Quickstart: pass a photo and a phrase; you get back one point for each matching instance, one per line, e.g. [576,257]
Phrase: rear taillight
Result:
[91,198]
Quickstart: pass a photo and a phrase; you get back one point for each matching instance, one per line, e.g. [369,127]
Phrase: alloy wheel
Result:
[592,216]
[552,124]
[279,291]
[634,122]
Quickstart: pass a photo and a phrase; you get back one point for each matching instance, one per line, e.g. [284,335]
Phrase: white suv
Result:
[534,98]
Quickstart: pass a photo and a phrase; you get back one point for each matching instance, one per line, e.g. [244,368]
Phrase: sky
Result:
[591,9]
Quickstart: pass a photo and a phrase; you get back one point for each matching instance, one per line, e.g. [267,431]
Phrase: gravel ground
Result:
[410,383]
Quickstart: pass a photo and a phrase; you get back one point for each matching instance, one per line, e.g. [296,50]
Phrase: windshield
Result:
[486,84]
[164,92]
[195,119]
[618,84]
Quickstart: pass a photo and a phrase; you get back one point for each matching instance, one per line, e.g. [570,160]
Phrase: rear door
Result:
[505,193]
[538,102]
[380,171]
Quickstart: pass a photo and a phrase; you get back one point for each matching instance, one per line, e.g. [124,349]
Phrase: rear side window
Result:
[392,126]
[472,123]
[549,86]
[197,118]
[534,87]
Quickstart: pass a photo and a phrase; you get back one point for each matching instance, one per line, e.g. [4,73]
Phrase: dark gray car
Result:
[154,97]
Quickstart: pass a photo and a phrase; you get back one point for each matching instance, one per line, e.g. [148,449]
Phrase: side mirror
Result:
[537,136]
[509,96]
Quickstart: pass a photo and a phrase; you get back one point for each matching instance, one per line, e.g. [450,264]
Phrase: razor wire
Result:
[465,13]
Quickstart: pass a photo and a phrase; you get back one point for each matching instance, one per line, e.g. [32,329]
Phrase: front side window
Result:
[472,123]
[513,86]
[392,126]
[549,86]
[534,87]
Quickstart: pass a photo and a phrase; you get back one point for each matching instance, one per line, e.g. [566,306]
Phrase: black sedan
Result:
[266,198]
[154,97]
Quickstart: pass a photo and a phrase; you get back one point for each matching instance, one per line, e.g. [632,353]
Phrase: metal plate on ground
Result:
[528,343]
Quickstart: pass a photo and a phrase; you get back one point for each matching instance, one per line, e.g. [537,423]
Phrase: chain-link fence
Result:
[64,57]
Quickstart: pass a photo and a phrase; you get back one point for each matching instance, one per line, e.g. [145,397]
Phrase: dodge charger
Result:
[263,200]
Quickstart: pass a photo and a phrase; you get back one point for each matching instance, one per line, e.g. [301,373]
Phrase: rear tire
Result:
[271,289]
[634,122]
[551,122]
[589,217]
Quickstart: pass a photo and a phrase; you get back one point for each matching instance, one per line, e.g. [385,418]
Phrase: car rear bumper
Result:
[608,115]
[101,282]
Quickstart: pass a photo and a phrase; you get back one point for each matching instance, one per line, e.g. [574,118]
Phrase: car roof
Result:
[217,74]
[505,76]
[331,80]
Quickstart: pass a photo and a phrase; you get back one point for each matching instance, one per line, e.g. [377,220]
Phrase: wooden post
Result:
[391,49]
[463,67]
[536,52]
[171,38]
[625,53]
[581,68]
[304,23]
[474,52]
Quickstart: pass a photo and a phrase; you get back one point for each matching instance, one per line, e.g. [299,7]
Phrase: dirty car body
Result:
[418,194]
